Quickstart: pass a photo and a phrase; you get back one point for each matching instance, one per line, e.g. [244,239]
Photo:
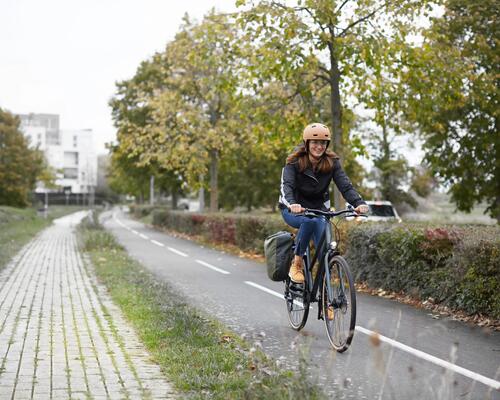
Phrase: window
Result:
[382,210]
[53,138]
[70,158]
[70,173]
[75,141]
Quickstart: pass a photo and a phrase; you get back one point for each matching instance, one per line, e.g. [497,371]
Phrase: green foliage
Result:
[331,53]
[455,266]
[20,166]
[131,164]
[453,96]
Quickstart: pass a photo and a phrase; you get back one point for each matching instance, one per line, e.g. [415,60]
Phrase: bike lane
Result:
[238,293]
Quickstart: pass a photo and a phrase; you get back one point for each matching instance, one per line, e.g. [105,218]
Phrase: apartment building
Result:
[71,153]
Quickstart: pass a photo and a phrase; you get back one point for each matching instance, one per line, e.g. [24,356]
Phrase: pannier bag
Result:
[278,249]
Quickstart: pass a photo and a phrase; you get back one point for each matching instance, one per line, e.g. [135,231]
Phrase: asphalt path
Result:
[417,356]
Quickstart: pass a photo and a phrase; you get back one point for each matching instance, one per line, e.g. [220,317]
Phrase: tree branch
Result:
[321,76]
[368,16]
[341,6]
[324,69]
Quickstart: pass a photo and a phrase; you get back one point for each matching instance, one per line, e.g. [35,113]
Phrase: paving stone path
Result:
[61,337]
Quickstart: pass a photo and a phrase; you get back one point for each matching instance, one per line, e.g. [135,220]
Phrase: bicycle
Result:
[337,298]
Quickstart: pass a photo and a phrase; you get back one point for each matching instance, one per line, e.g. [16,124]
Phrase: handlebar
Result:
[348,212]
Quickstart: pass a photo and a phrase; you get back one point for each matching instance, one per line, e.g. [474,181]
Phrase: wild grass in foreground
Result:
[19,225]
[199,356]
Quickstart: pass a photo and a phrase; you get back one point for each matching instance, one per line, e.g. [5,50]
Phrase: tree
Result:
[20,166]
[131,165]
[194,123]
[343,36]
[454,97]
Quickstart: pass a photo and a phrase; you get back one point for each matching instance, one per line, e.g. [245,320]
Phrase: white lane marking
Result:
[212,267]
[177,252]
[263,288]
[118,221]
[143,236]
[157,243]
[134,231]
[425,356]
[122,224]
[438,361]
[281,296]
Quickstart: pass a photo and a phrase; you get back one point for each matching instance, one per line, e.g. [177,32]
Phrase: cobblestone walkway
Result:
[61,337]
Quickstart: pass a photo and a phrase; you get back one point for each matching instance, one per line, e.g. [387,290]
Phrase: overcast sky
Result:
[64,56]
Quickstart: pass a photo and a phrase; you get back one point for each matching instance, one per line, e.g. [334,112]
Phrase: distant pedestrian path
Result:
[61,337]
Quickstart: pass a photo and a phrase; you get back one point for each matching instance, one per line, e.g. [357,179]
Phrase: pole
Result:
[152,190]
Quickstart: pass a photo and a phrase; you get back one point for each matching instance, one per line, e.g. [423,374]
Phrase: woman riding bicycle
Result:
[305,182]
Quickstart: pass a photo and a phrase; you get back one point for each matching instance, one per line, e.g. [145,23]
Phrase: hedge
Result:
[457,266]
[244,231]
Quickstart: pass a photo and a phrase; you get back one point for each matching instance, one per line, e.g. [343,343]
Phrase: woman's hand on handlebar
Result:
[362,209]
[296,209]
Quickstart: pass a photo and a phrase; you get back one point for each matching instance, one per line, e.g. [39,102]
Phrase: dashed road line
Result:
[157,243]
[177,252]
[264,289]
[212,267]
[143,236]
[417,353]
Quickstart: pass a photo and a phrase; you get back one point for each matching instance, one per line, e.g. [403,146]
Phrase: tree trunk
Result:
[214,199]
[386,146]
[336,112]
[496,212]
[201,195]
[175,198]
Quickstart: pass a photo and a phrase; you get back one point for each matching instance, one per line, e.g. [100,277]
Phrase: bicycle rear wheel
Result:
[297,304]
[339,304]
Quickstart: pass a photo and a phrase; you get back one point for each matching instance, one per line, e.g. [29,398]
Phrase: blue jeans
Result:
[308,227]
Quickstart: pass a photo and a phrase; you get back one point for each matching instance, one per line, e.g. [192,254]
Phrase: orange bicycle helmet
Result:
[316,131]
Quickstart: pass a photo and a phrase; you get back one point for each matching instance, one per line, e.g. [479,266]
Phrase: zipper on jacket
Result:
[310,175]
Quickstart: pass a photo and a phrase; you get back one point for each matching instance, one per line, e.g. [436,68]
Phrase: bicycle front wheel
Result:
[339,304]
[297,304]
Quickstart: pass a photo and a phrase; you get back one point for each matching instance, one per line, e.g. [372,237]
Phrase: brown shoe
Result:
[330,313]
[296,274]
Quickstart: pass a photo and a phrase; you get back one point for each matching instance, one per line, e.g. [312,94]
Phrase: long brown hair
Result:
[301,156]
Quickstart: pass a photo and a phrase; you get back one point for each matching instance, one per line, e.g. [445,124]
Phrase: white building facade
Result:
[71,153]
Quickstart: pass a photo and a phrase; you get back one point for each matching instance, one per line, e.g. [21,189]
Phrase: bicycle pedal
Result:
[296,285]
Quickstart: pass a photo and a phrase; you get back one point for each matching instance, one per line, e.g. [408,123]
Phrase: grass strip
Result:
[201,357]
[18,226]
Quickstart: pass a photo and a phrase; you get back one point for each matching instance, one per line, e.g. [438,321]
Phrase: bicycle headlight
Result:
[333,245]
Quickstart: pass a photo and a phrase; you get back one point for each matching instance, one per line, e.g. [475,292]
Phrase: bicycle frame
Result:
[313,285]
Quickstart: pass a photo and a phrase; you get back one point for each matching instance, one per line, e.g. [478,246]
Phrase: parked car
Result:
[382,211]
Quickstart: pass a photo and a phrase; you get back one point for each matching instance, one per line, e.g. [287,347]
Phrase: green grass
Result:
[18,226]
[201,357]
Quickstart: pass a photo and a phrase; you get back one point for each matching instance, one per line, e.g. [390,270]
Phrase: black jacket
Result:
[311,190]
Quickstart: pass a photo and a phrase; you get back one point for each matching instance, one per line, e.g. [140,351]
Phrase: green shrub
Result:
[458,267]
